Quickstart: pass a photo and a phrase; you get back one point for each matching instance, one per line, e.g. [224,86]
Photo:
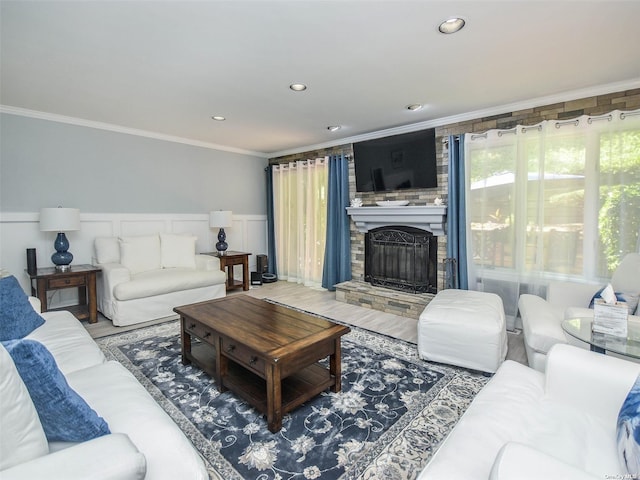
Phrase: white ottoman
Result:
[464,328]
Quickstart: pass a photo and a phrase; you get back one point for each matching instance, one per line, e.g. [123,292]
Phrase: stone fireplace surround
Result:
[431,218]
[357,291]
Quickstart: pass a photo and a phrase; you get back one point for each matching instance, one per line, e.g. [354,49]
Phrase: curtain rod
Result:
[559,123]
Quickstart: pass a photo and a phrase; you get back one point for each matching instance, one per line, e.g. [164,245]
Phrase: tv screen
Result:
[397,162]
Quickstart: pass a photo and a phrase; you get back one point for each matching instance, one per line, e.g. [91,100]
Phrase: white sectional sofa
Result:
[144,442]
[144,277]
[526,424]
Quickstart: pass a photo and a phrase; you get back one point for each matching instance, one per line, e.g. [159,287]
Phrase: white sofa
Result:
[525,424]
[144,277]
[542,318]
[144,442]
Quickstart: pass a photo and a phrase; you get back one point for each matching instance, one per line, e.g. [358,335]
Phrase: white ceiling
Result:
[166,67]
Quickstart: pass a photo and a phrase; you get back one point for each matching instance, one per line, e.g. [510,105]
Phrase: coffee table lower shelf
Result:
[295,390]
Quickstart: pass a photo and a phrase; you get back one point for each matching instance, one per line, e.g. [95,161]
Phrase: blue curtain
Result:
[456,215]
[271,235]
[337,255]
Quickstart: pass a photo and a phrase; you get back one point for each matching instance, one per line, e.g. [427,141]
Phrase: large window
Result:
[556,200]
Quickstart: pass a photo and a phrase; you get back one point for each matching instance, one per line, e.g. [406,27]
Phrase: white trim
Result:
[53,117]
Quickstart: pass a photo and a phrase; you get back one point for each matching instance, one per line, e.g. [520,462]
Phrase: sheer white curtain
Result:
[300,220]
[556,200]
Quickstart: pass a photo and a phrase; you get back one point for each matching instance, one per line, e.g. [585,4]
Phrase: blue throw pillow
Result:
[17,317]
[629,432]
[64,414]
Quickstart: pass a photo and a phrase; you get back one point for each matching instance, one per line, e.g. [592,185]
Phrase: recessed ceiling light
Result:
[414,107]
[334,128]
[452,25]
[219,118]
[298,87]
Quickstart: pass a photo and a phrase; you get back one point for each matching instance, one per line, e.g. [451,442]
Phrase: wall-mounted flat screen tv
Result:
[397,162]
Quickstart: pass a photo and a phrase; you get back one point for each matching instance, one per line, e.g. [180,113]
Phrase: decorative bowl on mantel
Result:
[392,203]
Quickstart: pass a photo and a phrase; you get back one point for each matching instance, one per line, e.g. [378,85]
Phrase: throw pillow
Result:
[629,432]
[64,414]
[107,249]
[178,250]
[140,254]
[21,435]
[17,317]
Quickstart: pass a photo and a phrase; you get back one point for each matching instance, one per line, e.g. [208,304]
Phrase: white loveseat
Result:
[144,442]
[525,424]
[144,277]
[542,318]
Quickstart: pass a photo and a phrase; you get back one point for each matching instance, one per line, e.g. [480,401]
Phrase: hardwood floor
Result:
[324,303]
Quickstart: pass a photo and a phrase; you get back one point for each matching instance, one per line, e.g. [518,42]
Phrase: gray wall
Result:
[45,164]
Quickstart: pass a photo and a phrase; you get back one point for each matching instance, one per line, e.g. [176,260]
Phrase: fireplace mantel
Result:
[427,217]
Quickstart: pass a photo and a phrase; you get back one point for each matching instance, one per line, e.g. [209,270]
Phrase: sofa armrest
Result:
[597,384]
[571,294]
[516,461]
[111,457]
[36,304]
[207,262]
[112,275]
[541,322]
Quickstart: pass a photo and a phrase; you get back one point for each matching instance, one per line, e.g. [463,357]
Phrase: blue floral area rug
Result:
[393,411]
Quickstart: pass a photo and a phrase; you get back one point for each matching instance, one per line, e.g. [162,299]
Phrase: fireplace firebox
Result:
[401,258]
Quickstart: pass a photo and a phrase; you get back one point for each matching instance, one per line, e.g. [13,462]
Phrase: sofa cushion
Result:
[629,432]
[68,341]
[17,316]
[109,386]
[64,415]
[21,435]
[107,249]
[166,280]
[177,251]
[140,254]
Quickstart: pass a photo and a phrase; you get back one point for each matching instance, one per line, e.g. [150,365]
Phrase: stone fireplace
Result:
[400,255]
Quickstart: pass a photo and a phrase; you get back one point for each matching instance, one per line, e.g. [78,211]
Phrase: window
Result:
[556,200]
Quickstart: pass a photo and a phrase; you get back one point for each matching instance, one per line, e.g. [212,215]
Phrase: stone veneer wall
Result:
[601,104]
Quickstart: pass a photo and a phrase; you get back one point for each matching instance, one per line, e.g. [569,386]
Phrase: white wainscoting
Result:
[19,231]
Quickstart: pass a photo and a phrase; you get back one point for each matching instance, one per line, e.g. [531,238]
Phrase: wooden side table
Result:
[229,259]
[82,277]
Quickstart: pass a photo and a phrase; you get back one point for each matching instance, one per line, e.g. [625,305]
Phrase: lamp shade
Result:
[59,219]
[220,219]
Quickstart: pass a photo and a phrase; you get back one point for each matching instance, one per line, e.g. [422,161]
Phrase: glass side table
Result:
[628,346]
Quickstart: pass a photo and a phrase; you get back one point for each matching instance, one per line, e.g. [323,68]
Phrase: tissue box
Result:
[610,318]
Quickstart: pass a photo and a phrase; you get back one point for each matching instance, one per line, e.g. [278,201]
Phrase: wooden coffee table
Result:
[265,353]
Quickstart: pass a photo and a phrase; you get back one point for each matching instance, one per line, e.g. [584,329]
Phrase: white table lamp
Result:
[60,220]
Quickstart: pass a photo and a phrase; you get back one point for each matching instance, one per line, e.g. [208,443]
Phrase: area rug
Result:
[393,411]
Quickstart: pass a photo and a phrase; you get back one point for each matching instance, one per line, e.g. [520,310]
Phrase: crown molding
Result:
[463,117]
[24,112]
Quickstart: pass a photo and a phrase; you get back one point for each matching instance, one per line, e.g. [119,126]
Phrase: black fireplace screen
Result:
[401,258]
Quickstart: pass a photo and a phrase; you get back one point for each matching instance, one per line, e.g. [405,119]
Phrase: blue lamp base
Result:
[62,258]
[222,246]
